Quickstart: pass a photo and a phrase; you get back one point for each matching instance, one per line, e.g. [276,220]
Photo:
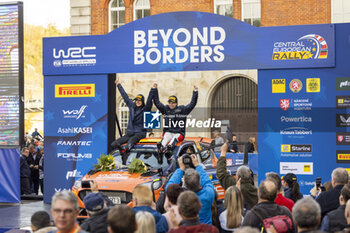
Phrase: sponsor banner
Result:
[73,143]
[296,148]
[278,85]
[343,84]
[343,138]
[343,120]
[343,101]
[295,104]
[74,90]
[298,168]
[343,156]
[295,85]
[188,41]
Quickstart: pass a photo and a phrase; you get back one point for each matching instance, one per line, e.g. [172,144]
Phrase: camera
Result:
[187,161]
[85,184]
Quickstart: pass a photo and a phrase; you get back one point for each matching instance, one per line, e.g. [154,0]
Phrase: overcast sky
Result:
[44,12]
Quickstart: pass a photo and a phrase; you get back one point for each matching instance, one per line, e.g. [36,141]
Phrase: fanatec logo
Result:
[75,114]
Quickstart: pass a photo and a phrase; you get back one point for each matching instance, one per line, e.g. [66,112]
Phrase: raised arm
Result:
[149,103]
[226,180]
[158,104]
[188,108]
[125,96]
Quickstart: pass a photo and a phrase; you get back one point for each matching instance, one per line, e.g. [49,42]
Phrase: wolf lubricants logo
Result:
[74,90]
[311,46]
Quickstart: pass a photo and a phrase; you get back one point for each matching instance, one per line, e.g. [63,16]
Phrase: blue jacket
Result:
[172,117]
[161,223]
[135,123]
[206,194]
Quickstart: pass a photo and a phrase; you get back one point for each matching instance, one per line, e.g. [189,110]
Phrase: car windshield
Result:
[148,156]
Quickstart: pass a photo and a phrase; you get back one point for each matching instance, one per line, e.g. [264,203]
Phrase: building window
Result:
[116,14]
[251,12]
[123,116]
[340,11]
[141,9]
[223,7]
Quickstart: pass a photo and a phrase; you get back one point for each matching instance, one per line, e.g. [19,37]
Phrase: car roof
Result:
[156,140]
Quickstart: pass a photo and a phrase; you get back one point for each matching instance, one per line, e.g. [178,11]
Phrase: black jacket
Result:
[337,220]
[34,162]
[24,167]
[96,223]
[266,210]
[135,123]
[329,200]
[173,118]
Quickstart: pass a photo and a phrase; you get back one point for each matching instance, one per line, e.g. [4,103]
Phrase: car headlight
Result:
[77,184]
[156,184]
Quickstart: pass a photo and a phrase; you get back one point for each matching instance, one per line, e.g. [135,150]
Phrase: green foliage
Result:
[137,166]
[105,163]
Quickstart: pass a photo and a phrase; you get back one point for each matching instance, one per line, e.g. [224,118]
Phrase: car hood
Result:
[119,180]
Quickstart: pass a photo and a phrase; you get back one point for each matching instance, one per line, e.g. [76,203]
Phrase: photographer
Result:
[197,181]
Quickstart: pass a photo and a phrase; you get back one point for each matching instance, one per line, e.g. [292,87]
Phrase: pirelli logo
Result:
[74,90]
[343,156]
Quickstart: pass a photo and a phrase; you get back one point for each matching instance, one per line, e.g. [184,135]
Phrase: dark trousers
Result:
[130,139]
[42,185]
[25,185]
[35,181]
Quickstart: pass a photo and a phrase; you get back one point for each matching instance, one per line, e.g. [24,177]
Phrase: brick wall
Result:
[295,12]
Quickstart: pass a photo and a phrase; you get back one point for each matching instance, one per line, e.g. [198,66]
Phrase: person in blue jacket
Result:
[174,117]
[198,181]
[135,131]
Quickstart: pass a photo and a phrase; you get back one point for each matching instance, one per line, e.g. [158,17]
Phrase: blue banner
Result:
[76,128]
[190,41]
[302,118]
[10,176]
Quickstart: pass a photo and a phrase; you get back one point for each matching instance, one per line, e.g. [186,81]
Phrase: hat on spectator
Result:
[93,202]
[290,178]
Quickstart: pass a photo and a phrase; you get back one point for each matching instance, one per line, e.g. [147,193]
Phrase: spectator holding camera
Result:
[329,200]
[198,181]
[248,189]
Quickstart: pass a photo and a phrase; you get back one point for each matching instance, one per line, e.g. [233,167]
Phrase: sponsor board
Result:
[313,85]
[75,113]
[343,84]
[278,86]
[343,101]
[295,85]
[73,143]
[73,174]
[152,120]
[296,148]
[74,130]
[298,168]
[74,156]
[296,104]
[74,90]
[310,46]
[343,138]
[296,131]
[296,155]
[343,156]
[343,120]
[306,183]
[74,56]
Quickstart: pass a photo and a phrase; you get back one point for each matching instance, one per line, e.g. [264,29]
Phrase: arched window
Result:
[123,116]
[141,9]
[251,12]
[223,7]
[116,14]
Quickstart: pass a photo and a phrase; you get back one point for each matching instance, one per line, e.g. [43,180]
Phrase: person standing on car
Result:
[174,117]
[135,131]
[198,181]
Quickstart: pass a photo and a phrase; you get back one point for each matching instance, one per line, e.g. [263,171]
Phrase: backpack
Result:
[282,223]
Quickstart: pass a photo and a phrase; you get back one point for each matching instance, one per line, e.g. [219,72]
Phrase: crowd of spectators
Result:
[32,164]
[189,200]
